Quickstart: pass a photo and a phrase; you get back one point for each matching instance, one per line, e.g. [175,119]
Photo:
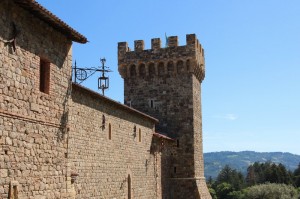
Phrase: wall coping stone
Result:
[106,99]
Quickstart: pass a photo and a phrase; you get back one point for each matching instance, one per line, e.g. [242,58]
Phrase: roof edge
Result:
[97,95]
[45,15]
[159,135]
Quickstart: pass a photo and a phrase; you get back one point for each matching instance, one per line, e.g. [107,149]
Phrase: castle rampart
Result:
[157,61]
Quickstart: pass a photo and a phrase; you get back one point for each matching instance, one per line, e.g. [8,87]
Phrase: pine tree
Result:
[297,176]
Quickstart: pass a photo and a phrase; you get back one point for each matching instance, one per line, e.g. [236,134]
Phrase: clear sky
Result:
[251,92]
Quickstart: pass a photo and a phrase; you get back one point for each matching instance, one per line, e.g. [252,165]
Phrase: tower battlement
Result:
[159,61]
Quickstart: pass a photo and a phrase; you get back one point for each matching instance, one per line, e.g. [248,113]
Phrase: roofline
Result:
[159,135]
[118,104]
[45,15]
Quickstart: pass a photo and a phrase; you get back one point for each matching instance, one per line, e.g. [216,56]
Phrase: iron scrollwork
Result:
[81,74]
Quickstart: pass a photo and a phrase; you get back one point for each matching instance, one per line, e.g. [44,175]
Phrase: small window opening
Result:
[44,76]
[15,192]
[129,186]
[174,169]
[5,151]
[177,143]
[103,122]
[140,135]
[66,155]
[109,131]
[151,103]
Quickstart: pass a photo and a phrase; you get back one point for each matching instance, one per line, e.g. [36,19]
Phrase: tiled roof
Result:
[42,13]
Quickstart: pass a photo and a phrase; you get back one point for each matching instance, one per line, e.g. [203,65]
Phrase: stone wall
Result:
[33,145]
[59,140]
[110,145]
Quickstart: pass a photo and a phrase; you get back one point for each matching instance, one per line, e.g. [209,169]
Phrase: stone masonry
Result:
[112,149]
[166,84]
[33,104]
[59,140]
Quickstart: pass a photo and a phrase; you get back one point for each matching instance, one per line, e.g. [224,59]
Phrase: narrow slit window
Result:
[140,135]
[44,76]
[15,191]
[109,131]
[129,186]
[175,169]
[103,122]
[151,103]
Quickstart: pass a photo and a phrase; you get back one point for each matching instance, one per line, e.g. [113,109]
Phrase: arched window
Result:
[142,70]
[170,67]
[180,67]
[109,131]
[161,69]
[132,71]
[151,70]
[129,186]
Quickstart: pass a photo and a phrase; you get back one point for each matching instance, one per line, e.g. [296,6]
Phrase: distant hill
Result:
[215,161]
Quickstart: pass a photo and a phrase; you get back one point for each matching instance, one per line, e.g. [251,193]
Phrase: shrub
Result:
[272,191]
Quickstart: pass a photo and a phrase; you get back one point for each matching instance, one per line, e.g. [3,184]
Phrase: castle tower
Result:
[166,84]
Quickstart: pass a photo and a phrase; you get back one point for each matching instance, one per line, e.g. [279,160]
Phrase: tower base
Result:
[189,188]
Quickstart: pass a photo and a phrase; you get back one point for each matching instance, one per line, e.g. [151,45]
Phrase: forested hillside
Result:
[240,161]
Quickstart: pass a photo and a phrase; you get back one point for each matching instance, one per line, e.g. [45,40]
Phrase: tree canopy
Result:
[263,181]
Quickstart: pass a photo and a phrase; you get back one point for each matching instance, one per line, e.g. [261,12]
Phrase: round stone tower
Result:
[166,84]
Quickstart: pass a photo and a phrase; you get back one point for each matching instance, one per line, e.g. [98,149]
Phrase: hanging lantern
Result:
[103,83]
[81,74]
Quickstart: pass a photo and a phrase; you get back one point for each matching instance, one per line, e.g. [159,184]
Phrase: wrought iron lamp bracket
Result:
[81,74]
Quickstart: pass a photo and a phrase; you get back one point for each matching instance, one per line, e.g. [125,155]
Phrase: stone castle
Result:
[59,139]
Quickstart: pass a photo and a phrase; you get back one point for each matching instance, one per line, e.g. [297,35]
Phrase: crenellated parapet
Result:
[162,61]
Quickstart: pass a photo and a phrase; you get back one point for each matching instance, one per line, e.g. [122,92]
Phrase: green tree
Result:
[213,193]
[223,190]
[232,177]
[297,176]
[236,195]
[259,173]
[256,173]
[271,191]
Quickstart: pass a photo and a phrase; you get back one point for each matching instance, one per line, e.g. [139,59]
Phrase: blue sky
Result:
[251,92]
